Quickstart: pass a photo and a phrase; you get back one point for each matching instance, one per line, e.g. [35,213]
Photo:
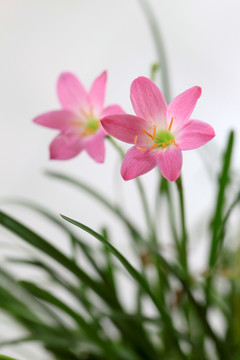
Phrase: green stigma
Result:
[92,125]
[162,138]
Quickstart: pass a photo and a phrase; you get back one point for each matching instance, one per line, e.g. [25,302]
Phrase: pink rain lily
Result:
[159,132]
[79,118]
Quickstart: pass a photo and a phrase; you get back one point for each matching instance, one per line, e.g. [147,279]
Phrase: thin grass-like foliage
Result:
[77,312]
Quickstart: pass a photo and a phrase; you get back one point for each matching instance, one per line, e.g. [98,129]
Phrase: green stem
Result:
[184,238]
[159,44]
[141,191]
[149,223]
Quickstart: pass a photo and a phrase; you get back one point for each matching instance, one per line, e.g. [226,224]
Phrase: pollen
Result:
[172,141]
[148,134]
[154,145]
[170,125]
[135,139]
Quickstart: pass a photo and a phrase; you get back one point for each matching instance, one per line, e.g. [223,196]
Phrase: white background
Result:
[41,39]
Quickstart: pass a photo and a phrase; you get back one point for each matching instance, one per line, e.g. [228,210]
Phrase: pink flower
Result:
[79,119]
[159,132]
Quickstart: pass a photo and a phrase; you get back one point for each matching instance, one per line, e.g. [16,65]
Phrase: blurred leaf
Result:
[76,241]
[216,241]
[89,329]
[48,249]
[137,276]
[113,208]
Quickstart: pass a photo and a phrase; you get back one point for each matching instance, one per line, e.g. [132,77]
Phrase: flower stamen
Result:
[172,141]
[76,122]
[91,111]
[170,125]
[153,146]
[163,145]
[142,149]
[135,139]
[154,132]
[84,113]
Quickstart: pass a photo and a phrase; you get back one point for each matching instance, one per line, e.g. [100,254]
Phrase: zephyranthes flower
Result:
[159,132]
[79,120]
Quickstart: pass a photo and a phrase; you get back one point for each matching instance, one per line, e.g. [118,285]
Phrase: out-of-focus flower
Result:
[79,119]
[159,132]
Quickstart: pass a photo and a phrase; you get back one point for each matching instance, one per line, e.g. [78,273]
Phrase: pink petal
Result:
[169,162]
[65,146]
[112,110]
[71,92]
[126,128]
[97,91]
[59,119]
[194,134]
[182,106]
[136,163]
[95,147]
[148,101]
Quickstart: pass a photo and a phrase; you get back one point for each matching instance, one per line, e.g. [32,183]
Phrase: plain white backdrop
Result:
[41,39]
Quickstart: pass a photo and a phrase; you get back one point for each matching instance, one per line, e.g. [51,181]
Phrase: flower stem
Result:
[159,44]
[184,238]
[141,191]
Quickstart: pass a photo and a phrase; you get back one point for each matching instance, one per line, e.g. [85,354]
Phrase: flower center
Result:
[88,124]
[161,139]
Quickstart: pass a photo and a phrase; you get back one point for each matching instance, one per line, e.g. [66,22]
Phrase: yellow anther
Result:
[90,130]
[154,132]
[135,139]
[163,145]
[84,113]
[173,141]
[152,146]
[170,125]
[76,122]
[145,132]
[142,149]
[91,111]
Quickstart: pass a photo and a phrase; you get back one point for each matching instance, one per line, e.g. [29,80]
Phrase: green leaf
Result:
[96,195]
[136,275]
[75,241]
[88,328]
[48,249]
[3,357]
[220,203]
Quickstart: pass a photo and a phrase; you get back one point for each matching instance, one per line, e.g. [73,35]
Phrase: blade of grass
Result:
[74,239]
[105,293]
[137,276]
[218,215]
[88,328]
[159,45]
[48,249]
[113,208]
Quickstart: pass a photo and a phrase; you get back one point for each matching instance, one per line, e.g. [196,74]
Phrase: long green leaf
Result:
[136,275]
[88,328]
[96,195]
[48,249]
[104,293]
[76,241]
[218,216]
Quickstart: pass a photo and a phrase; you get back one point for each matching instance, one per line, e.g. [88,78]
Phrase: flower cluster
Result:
[159,132]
